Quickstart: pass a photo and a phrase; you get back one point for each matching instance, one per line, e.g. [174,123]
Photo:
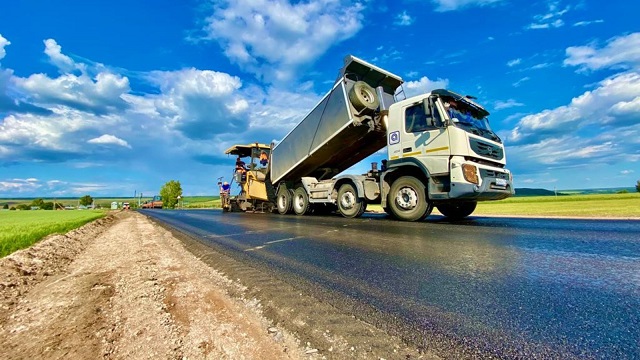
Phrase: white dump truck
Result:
[441,152]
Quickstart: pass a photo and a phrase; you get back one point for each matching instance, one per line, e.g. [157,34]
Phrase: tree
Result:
[5,206]
[86,200]
[638,186]
[170,192]
[39,203]
[47,206]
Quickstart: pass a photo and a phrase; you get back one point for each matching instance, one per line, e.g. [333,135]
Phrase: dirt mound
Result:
[124,288]
[22,270]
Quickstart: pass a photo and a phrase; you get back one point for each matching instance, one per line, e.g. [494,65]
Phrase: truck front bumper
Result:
[492,183]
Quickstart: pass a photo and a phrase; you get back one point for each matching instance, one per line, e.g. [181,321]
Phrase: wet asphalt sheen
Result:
[505,287]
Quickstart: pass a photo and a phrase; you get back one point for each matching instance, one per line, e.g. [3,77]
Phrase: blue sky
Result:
[110,97]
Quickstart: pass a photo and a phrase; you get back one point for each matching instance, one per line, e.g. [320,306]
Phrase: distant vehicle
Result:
[156,203]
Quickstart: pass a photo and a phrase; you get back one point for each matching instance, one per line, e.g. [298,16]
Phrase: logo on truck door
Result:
[394,137]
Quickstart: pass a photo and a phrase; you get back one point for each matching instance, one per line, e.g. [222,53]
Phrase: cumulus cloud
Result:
[403,19]
[63,62]
[614,102]
[19,185]
[108,139]
[424,85]
[3,42]
[620,52]
[201,103]
[452,5]
[100,95]
[274,39]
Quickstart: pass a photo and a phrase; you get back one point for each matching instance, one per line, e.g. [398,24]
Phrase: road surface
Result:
[507,287]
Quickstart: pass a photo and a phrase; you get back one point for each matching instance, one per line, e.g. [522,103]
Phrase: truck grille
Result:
[486,150]
[484,173]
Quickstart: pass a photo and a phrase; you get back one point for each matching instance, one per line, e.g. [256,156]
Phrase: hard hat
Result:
[225,183]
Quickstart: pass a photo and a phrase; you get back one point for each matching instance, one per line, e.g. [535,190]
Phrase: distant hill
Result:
[545,192]
[535,192]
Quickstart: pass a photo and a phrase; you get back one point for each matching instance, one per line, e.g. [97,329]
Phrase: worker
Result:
[225,190]
[264,158]
[240,165]
[241,171]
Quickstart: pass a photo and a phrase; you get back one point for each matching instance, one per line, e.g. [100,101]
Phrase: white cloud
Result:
[585,23]
[19,185]
[619,52]
[540,66]
[551,19]
[424,85]
[200,103]
[108,139]
[626,172]
[274,39]
[403,19]
[613,103]
[57,58]
[514,62]
[499,105]
[3,42]
[520,81]
[100,95]
[451,5]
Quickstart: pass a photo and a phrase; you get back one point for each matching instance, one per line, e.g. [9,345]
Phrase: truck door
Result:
[425,138]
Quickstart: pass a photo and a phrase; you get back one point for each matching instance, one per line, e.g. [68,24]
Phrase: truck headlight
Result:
[470,173]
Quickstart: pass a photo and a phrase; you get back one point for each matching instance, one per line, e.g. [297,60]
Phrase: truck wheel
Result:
[349,204]
[457,211]
[363,96]
[407,199]
[283,200]
[300,201]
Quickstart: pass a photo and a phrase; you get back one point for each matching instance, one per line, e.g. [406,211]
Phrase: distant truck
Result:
[155,203]
[441,152]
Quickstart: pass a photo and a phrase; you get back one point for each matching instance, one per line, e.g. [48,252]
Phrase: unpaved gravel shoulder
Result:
[121,287]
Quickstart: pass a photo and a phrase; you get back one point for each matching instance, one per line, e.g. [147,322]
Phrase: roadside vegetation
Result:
[596,205]
[21,229]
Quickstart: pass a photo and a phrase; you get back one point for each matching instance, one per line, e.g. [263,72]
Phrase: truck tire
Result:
[283,200]
[407,199]
[457,211]
[349,204]
[363,96]
[300,201]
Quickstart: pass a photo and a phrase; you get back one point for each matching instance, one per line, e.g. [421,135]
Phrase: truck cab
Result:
[444,140]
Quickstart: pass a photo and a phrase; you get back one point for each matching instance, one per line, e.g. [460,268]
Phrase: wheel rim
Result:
[407,198]
[281,202]
[299,202]
[347,200]
[367,95]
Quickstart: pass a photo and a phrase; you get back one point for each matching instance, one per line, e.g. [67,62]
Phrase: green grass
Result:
[21,229]
[596,205]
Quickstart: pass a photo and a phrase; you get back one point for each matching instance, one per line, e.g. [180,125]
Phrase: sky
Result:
[115,98]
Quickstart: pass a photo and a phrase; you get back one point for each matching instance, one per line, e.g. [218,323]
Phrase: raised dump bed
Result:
[341,130]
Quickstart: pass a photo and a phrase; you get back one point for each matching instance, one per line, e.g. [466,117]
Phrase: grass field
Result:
[597,205]
[21,229]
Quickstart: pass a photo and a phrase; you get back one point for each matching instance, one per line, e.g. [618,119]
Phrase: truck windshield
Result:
[466,118]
